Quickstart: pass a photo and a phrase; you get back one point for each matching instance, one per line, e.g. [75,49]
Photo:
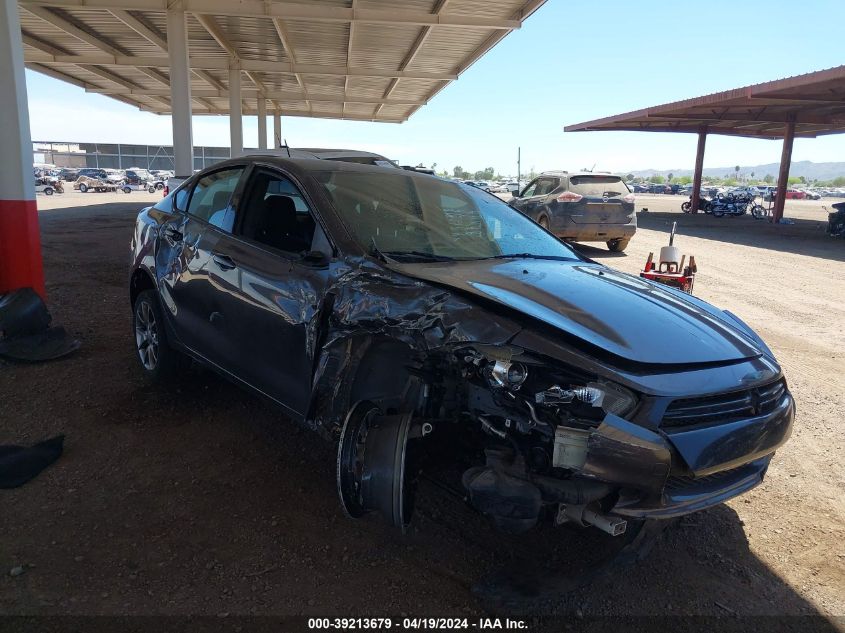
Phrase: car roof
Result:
[308,165]
[316,152]
[578,173]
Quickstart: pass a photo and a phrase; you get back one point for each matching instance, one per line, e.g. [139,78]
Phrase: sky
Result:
[570,62]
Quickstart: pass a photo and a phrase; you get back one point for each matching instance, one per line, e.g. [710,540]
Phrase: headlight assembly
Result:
[607,396]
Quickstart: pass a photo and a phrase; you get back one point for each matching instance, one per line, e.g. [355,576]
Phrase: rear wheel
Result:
[83,188]
[758,211]
[48,191]
[686,206]
[159,361]
[618,245]
[127,190]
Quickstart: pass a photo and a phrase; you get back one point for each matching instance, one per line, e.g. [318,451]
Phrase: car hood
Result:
[609,311]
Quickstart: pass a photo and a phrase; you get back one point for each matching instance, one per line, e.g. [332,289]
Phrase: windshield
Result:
[432,218]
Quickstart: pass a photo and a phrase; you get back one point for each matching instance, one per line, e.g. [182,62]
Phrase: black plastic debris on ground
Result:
[26,332]
[19,464]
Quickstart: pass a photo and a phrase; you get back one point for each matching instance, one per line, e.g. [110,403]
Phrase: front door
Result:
[281,288]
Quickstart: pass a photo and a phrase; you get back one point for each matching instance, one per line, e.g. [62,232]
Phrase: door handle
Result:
[224,261]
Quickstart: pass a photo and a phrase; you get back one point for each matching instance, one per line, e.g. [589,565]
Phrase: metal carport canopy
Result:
[804,106]
[372,60]
[368,60]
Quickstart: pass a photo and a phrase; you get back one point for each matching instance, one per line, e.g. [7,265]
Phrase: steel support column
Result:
[236,132]
[699,167]
[277,130]
[20,240]
[783,174]
[262,122]
[180,94]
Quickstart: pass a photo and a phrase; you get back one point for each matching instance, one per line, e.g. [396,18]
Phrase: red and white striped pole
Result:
[20,241]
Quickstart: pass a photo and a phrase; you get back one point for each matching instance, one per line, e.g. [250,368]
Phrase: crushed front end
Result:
[532,440]
[571,445]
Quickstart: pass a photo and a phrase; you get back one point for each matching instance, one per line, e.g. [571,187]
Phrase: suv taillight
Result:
[569,196]
[165,191]
[629,198]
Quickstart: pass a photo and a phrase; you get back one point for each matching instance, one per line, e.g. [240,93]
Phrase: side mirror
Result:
[515,194]
[318,258]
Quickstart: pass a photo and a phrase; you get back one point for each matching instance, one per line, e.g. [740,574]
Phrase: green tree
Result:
[629,177]
[657,179]
[769,179]
[457,172]
[793,180]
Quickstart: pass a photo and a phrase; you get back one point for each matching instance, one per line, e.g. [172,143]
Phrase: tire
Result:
[151,189]
[127,190]
[718,212]
[83,188]
[544,222]
[159,186]
[759,211]
[48,191]
[618,245]
[686,206]
[158,360]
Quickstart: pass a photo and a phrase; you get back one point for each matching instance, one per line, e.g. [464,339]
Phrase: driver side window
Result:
[276,214]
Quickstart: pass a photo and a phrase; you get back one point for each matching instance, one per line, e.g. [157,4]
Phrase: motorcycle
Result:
[836,221]
[733,205]
[703,205]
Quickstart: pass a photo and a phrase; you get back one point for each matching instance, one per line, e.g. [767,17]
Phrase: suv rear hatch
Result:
[604,199]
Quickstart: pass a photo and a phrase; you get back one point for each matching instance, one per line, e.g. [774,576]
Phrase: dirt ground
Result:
[204,500]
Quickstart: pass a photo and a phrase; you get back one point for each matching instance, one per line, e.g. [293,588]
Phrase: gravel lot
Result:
[204,500]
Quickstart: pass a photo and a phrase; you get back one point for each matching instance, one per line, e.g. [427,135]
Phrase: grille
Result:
[726,407]
[682,482]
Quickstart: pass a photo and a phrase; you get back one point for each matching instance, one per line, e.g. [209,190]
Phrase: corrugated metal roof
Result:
[357,59]
[815,102]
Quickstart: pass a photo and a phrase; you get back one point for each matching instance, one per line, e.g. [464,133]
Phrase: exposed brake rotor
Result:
[372,464]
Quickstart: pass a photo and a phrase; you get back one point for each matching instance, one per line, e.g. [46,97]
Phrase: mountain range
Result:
[808,169]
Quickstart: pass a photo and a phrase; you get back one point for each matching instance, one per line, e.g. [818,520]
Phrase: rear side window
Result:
[546,186]
[211,195]
[609,186]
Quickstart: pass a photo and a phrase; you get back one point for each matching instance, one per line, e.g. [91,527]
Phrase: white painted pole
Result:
[262,122]
[180,94]
[236,132]
[20,241]
[277,130]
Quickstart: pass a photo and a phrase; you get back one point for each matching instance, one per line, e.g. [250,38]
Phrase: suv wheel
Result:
[158,359]
[83,188]
[618,245]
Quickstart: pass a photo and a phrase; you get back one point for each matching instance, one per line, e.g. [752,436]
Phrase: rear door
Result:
[198,287]
[602,199]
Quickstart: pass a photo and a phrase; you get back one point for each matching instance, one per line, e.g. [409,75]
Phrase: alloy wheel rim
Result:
[146,335]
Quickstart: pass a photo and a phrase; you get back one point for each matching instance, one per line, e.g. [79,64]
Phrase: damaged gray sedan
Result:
[426,326]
